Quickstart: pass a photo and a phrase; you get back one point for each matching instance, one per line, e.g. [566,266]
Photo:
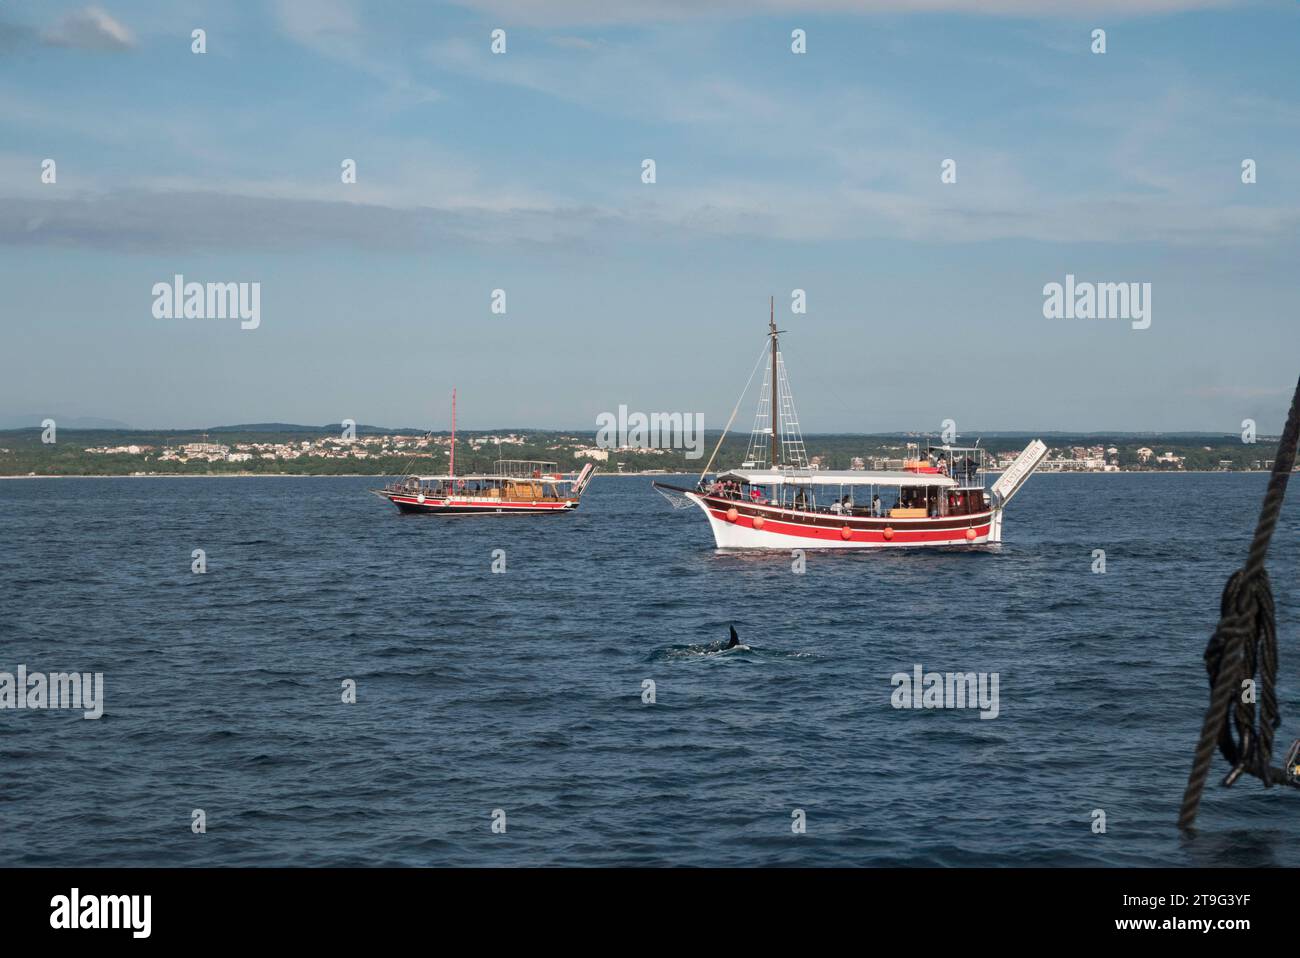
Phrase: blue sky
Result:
[775,171]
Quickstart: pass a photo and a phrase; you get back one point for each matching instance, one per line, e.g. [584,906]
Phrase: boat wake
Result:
[676,653]
[719,650]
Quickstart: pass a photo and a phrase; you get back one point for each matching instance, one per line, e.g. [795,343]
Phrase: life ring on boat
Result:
[970,534]
[846,533]
[732,514]
[888,533]
[759,522]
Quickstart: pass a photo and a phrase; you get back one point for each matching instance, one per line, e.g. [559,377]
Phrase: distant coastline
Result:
[606,475]
[313,452]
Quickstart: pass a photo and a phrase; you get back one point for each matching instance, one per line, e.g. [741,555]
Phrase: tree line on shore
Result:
[22,452]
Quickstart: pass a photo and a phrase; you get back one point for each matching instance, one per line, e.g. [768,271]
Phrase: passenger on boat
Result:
[836,507]
[875,506]
[846,504]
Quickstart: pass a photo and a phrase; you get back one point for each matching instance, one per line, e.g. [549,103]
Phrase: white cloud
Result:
[156,220]
[332,29]
[603,12]
[573,43]
[621,79]
[250,215]
[327,26]
[89,29]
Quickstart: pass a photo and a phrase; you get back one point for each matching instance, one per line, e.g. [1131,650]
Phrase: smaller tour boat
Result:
[514,487]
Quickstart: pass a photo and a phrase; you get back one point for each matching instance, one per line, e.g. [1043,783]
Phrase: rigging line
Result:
[408,468]
[1245,640]
[405,463]
[761,353]
[409,465]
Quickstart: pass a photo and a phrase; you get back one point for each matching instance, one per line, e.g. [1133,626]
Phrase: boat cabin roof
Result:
[829,477]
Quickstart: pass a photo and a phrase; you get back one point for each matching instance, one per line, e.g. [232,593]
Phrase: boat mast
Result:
[771,325]
[453,432]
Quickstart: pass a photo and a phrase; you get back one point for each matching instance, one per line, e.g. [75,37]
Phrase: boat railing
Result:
[526,469]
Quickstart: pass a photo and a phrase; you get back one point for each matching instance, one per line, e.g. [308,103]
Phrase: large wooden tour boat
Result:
[775,500]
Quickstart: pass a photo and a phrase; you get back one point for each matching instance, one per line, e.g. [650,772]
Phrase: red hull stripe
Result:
[858,535]
[485,504]
[855,522]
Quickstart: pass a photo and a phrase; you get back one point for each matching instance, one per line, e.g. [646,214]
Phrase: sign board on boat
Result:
[1011,480]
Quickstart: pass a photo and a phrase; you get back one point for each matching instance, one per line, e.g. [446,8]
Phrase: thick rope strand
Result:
[1245,642]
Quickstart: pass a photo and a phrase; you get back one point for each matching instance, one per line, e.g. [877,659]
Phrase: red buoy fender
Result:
[846,533]
[732,514]
[758,522]
[970,533]
[888,533]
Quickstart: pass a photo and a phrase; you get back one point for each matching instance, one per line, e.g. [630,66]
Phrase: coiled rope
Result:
[1244,644]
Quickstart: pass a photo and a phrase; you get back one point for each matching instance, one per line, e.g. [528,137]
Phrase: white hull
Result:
[782,532]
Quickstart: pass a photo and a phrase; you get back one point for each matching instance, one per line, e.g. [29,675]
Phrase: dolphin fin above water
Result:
[735,639]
